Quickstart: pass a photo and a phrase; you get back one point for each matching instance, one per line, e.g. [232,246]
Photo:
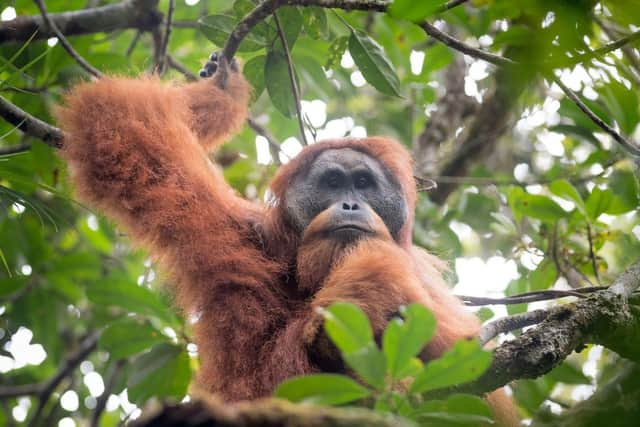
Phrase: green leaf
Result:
[291,23]
[624,186]
[598,202]
[162,372]
[347,326]
[622,104]
[336,50]
[566,190]
[534,206]
[465,362]
[403,339]
[218,28]
[452,418]
[568,373]
[276,74]
[373,63]
[315,22]
[543,277]
[458,409]
[254,73]
[369,363]
[128,337]
[476,209]
[414,11]
[123,292]
[484,314]
[321,389]
[12,284]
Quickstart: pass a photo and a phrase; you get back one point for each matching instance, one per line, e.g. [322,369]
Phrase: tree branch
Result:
[140,14]
[527,297]
[162,55]
[101,403]
[266,412]
[274,146]
[627,145]
[510,323]
[603,318]
[30,125]
[43,390]
[65,43]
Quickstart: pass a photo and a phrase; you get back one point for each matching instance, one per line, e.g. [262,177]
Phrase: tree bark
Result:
[141,14]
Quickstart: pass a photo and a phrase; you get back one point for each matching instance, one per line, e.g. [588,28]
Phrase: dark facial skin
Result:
[347,181]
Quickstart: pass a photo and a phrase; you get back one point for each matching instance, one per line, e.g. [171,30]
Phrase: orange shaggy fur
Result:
[137,150]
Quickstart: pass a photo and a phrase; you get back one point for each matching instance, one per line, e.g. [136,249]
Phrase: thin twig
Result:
[292,78]
[528,297]
[482,181]
[274,147]
[65,44]
[511,323]
[30,125]
[87,346]
[609,47]
[177,65]
[133,43]
[15,149]
[243,28]
[456,44]
[101,403]
[162,57]
[627,145]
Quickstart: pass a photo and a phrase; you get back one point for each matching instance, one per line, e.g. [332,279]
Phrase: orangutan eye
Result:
[363,181]
[333,179]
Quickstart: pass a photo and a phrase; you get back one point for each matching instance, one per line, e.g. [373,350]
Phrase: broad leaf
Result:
[348,327]
[535,206]
[128,337]
[403,339]
[465,362]
[563,188]
[322,389]
[598,202]
[162,372]
[291,22]
[624,186]
[373,63]
[276,74]
[254,73]
[369,363]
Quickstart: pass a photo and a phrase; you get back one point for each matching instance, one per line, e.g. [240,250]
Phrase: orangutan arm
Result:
[135,148]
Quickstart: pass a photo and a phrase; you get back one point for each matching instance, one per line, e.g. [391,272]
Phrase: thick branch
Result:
[30,125]
[603,318]
[266,412]
[141,14]
[511,323]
